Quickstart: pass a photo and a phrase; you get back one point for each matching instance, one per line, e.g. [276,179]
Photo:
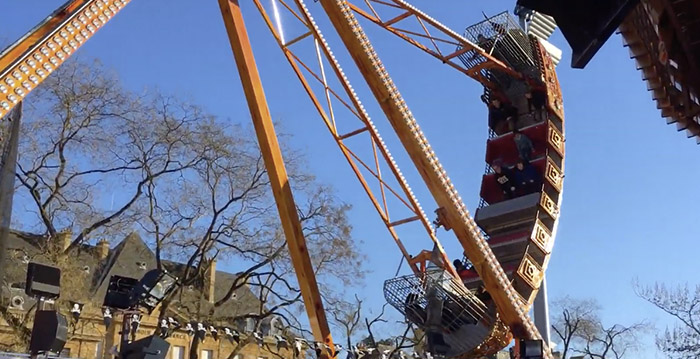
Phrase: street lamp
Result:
[232,335]
[214,333]
[76,309]
[107,318]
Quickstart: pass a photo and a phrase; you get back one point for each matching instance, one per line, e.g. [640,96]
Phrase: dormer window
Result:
[86,269]
[142,265]
[250,324]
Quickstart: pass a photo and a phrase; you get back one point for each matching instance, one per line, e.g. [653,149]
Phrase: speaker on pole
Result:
[151,347]
[49,333]
[43,281]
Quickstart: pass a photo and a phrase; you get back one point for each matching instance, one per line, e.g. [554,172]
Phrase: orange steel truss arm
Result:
[442,42]
[379,149]
[511,307]
[27,62]
[274,163]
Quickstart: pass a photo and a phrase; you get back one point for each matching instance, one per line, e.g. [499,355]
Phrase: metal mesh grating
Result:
[436,300]
[504,39]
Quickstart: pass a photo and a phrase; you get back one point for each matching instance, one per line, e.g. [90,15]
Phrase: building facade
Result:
[86,280]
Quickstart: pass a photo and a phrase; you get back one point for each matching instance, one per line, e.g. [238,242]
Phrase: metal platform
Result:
[436,300]
[502,37]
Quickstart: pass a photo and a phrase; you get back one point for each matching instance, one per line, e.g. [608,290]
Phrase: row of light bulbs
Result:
[43,58]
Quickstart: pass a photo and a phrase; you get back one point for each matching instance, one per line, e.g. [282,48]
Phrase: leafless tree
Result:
[572,319]
[614,342]
[682,303]
[98,160]
[347,316]
[83,136]
[580,329]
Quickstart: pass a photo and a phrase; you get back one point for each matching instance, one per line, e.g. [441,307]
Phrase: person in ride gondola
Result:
[414,311]
[483,295]
[536,101]
[528,179]
[461,269]
[434,322]
[502,116]
[523,144]
[506,179]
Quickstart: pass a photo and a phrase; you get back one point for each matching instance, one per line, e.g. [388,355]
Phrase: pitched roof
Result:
[129,258]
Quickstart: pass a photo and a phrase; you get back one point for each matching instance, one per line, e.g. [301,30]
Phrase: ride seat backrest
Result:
[503,147]
[508,268]
[508,237]
[490,189]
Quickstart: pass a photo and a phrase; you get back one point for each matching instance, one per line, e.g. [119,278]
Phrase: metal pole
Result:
[541,311]
[9,140]
[274,163]
[126,327]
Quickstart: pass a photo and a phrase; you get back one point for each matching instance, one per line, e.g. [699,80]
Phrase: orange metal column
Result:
[510,306]
[272,156]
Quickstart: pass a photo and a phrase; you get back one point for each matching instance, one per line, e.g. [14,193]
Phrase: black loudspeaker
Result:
[49,333]
[585,24]
[119,292]
[43,281]
[531,349]
[151,347]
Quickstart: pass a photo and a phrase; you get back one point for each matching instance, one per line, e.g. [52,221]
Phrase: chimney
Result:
[64,239]
[211,282]
[102,249]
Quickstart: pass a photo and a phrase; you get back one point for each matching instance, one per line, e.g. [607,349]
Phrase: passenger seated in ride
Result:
[434,323]
[461,269]
[414,311]
[536,101]
[523,144]
[502,116]
[528,179]
[506,179]
[483,295]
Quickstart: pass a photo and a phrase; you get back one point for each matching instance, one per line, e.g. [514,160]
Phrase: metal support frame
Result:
[274,163]
[541,312]
[348,99]
[432,37]
[9,141]
[511,307]
[32,58]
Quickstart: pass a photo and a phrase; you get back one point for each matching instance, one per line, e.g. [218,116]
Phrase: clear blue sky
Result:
[630,200]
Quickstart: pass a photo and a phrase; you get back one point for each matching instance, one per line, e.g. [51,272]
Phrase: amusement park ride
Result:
[510,238]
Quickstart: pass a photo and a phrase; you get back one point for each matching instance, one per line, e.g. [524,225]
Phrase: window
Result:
[98,350]
[177,352]
[250,325]
[207,354]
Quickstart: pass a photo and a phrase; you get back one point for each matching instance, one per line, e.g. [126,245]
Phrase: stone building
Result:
[86,279]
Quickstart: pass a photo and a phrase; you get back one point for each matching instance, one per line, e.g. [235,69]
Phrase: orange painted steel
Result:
[61,34]
[511,307]
[274,162]
[32,58]
[379,150]
[441,35]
